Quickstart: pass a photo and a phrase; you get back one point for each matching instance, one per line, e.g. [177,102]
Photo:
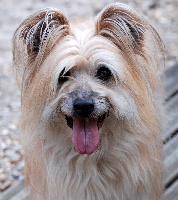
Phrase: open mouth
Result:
[100,120]
[85,132]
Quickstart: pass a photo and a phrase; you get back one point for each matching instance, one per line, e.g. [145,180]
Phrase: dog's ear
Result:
[35,37]
[123,26]
[36,31]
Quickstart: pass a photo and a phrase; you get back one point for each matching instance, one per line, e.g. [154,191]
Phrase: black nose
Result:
[83,107]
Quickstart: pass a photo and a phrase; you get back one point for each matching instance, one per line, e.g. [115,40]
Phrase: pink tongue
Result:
[85,135]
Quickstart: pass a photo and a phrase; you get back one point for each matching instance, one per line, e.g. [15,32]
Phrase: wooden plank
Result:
[171,105]
[171,80]
[171,146]
[21,195]
[171,112]
[16,187]
[171,166]
[171,160]
[172,192]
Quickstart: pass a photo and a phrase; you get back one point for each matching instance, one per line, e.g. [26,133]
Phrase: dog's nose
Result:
[83,107]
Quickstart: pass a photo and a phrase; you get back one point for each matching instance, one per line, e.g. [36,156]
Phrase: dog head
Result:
[91,85]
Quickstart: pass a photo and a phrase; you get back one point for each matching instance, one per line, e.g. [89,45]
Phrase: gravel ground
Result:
[162,14]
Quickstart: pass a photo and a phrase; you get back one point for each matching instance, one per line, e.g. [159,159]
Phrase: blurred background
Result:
[162,14]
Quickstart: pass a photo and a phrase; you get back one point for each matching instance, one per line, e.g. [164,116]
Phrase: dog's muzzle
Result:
[85,125]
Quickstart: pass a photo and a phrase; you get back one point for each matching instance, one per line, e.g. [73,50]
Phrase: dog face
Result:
[86,80]
[85,90]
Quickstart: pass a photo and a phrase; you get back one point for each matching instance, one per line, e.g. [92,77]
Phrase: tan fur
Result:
[128,162]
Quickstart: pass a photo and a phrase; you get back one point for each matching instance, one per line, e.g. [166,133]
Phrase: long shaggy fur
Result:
[128,161]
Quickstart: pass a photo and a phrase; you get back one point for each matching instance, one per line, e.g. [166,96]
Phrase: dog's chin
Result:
[85,132]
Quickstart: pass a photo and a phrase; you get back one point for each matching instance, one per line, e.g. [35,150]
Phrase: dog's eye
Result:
[64,76]
[103,73]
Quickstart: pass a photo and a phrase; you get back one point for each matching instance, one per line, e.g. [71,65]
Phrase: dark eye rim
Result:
[64,76]
[107,73]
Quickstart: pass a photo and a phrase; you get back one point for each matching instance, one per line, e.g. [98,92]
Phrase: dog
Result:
[91,116]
